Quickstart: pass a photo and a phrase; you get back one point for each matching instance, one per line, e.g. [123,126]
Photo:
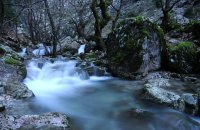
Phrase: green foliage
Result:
[183,47]
[91,56]
[194,27]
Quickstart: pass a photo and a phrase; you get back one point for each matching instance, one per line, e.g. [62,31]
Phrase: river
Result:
[97,103]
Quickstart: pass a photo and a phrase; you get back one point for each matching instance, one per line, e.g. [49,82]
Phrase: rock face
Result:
[135,47]
[48,121]
[183,58]
[17,90]
[12,72]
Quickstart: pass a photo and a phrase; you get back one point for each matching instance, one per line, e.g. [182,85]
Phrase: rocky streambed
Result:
[100,102]
[56,89]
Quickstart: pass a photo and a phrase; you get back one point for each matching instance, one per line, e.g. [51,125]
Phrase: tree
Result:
[167,6]
[81,17]
[101,20]
[117,6]
[1,14]
[54,32]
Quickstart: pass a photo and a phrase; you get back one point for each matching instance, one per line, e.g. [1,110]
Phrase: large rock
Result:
[48,121]
[155,91]
[12,68]
[135,47]
[17,89]
[12,72]
[191,103]
[183,58]
[68,44]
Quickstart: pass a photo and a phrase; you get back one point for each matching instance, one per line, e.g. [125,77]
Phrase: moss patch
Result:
[183,57]
[183,47]
[11,61]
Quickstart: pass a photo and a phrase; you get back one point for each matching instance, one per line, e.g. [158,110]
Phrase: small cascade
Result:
[81,49]
[42,50]
[45,78]
[22,53]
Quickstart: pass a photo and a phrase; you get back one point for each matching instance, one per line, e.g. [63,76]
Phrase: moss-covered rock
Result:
[194,28]
[183,57]
[135,47]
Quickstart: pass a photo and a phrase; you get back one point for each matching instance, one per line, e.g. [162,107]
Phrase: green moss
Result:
[183,47]
[11,61]
[91,56]
[24,72]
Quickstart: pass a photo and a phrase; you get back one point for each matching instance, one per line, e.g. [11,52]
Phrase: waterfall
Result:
[81,49]
[42,50]
[45,78]
[22,53]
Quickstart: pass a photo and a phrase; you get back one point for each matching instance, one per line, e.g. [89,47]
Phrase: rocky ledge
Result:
[165,90]
[48,121]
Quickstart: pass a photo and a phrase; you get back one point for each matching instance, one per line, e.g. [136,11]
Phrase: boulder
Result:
[191,103]
[135,47]
[68,44]
[46,121]
[183,58]
[12,68]
[17,90]
[154,90]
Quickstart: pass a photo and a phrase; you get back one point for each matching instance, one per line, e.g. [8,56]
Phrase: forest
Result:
[100,64]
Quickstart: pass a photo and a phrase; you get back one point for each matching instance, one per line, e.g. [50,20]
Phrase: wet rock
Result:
[46,121]
[94,70]
[9,70]
[191,103]
[189,79]
[155,90]
[17,90]
[5,49]
[137,113]
[135,48]
[81,73]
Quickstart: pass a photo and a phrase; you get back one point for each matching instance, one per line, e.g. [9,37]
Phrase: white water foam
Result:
[58,78]
[81,49]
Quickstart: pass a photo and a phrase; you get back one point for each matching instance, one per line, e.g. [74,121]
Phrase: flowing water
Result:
[81,49]
[97,103]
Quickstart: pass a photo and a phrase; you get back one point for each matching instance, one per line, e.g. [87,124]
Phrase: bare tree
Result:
[81,16]
[53,29]
[101,19]
[1,14]
[167,6]
[117,6]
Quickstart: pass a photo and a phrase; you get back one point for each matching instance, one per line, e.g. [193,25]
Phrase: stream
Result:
[97,103]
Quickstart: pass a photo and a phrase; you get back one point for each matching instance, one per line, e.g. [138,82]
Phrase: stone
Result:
[39,122]
[191,103]
[135,47]
[17,90]
[154,90]
[68,44]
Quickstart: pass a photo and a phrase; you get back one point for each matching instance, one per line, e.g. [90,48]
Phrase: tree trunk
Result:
[100,21]
[53,29]
[1,15]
